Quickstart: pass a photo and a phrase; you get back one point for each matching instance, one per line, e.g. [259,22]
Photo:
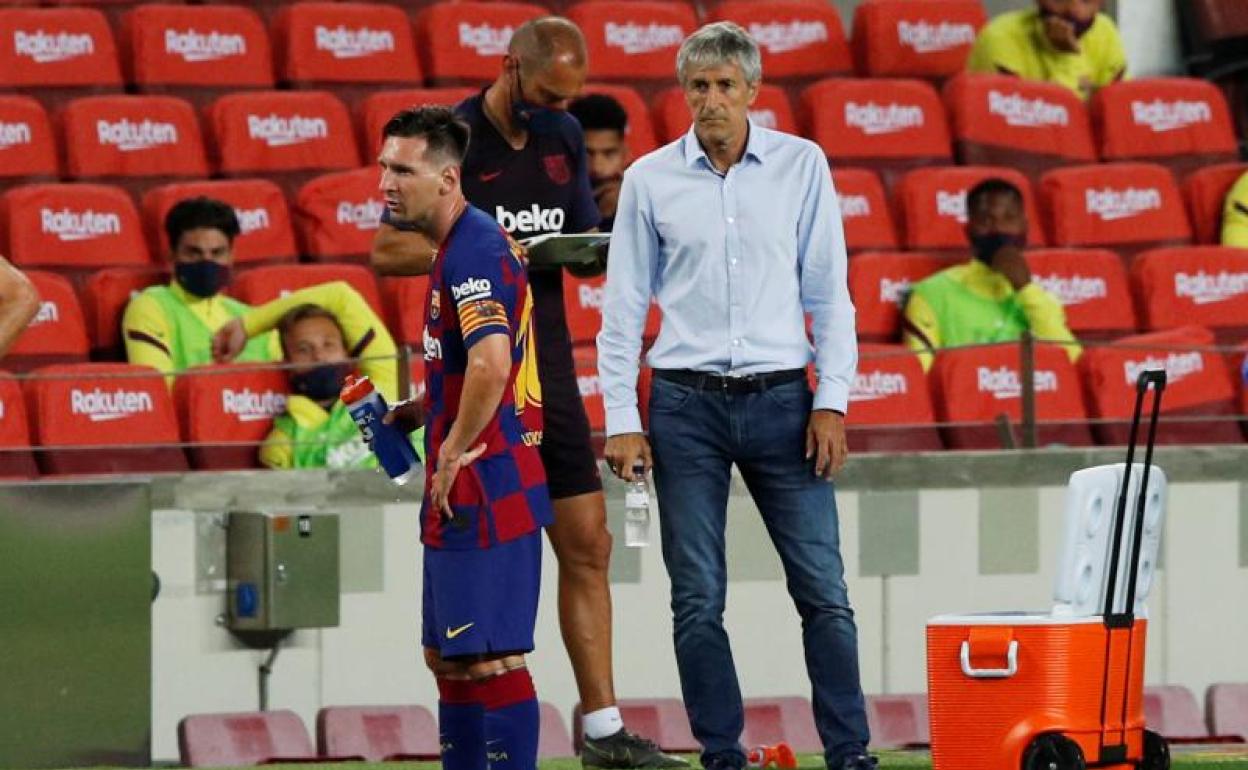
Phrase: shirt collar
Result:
[755,147]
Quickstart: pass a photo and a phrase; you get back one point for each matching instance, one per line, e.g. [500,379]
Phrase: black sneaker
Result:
[858,762]
[625,750]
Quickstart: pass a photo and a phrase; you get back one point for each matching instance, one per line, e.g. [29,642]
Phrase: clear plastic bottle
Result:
[637,510]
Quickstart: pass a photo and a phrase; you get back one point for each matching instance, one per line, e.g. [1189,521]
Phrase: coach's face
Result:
[412,183]
[719,99]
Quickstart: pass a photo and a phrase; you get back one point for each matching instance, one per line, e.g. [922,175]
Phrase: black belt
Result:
[749,383]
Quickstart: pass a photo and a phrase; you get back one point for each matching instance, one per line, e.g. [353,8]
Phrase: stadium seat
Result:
[248,738]
[1181,123]
[1127,207]
[977,385]
[57,334]
[915,38]
[582,302]
[585,359]
[16,459]
[347,48]
[999,120]
[404,299]
[634,41]
[891,405]
[640,134]
[879,283]
[196,52]
[662,720]
[898,721]
[336,215]
[71,227]
[378,107]
[865,212]
[472,54]
[1205,192]
[266,234]
[27,143]
[1172,711]
[225,411]
[114,10]
[1198,386]
[1205,285]
[932,202]
[261,284]
[105,295]
[770,110]
[1226,706]
[137,142]
[553,741]
[103,418]
[790,719]
[285,136]
[1092,286]
[58,54]
[800,41]
[891,126]
[378,733]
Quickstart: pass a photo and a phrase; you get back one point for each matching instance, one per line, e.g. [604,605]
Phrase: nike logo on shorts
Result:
[451,633]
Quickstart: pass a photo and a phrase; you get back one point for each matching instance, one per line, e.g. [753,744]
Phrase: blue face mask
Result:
[533,117]
[204,278]
[322,382]
[986,246]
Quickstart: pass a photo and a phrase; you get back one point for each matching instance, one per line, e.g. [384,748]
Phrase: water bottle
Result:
[393,448]
[637,510]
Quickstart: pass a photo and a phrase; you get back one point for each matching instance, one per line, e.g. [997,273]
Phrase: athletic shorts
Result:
[482,600]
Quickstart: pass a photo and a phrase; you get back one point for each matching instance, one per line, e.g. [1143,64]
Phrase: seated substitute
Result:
[605,124]
[1235,215]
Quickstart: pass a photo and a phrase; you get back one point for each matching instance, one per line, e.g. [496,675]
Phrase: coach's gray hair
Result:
[720,43]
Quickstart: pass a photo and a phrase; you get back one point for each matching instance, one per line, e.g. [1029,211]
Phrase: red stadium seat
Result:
[1172,711]
[865,213]
[27,145]
[378,733]
[999,120]
[226,411]
[979,384]
[1205,192]
[114,10]
[879,283]
[1092,286]
[1198,386]
[57,334]
[103,418]
[662,720]
[640,133]
[1205,285]
[378,107]
[197,52]
[915,38]
[770,110]
[932,202]
[336,215]
[58,53]
[771,720]
[1182,123]
[404,299]
[261,284]
[1226,706]
[582,301]
[898,721]
[71,227]
[800,41]
[553,739]
[891,126]
[16,459]
[479,33]
[266,234]
[248,738]
[634,41]
[104,298]
[1127,207]
[133,141]
[890,404]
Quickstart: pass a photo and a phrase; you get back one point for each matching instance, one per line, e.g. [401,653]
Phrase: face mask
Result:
[322,382]
[532,117]
[204,278]
[1081,27]
[987,245]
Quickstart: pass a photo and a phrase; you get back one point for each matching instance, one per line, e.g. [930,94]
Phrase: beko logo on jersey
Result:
[195,46]
[951,204]
[278,131]
[47,48]
[248,405]
[1027,113]
[102,406]
[13,134]
[1005,383]
[1110,204]
[633,38]
[485,39]
[895,291]
[129,136]
[533,220]
[364,216]
[853,206]
[779,37]
[78,225]
[343,43]
[877,385]
[1177,366]
[925,37]
[876,119]
[473,288]
[1163,116]
[1206,288]
[1073,289]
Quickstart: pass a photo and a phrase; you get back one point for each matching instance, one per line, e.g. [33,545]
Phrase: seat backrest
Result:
[1220,20]
[265,230]
[1172,711]
[895,721]
[589,385]
[377,109]
[1205,285]
[377,733]
[264,131]
[553,738]
[640,133]
[75,226]
[797,39]
[105,295]
[27,143]
[1226,706]
[879,283]
[771,109]
[249,738]
[261,284]
[347,42]
[890,390]
[57,47]
[1123,205]
[915,38]
[789,719]
[932,202]
[1092,286]
[119,136]
[230,404]
[582,302]
[859,120]
[336,215]
[16,460]
[865,213]
[1205,191]
[57,332]
[404,299]
[196,45]
[464,42]
[633,40]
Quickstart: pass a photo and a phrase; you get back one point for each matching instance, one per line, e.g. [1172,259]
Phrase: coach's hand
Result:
[624,451]
[229,341]
[825,441]
[450,464]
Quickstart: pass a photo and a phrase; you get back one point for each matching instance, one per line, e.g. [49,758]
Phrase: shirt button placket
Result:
[732,242]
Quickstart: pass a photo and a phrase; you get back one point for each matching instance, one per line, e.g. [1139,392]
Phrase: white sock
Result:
[603,722]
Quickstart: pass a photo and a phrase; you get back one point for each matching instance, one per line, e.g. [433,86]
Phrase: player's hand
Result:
[825,441]
[625,451]
[607,195]
[229,341]
[406,415]
[1009,262]
[1061,33]
[449,466]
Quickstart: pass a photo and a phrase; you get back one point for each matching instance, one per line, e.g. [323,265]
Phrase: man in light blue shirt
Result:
[736,231]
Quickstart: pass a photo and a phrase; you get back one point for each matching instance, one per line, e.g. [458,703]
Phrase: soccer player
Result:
[485,491]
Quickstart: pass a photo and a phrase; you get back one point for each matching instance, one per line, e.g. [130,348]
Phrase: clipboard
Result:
[573,250]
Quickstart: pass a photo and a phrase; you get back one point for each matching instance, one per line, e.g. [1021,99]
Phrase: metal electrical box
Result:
[282,571]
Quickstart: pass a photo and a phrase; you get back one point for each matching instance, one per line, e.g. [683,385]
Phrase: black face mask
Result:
[985,246]
[204,278]
[532,117]
[322,382]
[1081,27]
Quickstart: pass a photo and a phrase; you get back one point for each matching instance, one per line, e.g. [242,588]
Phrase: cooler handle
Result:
[1011,663]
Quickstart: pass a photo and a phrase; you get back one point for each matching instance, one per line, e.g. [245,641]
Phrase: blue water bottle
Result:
[393,448]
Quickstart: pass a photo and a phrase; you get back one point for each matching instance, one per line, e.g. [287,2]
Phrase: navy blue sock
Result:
[512,720]
[461,725]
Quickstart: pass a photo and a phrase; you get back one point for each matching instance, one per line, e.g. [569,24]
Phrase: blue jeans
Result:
[696,436]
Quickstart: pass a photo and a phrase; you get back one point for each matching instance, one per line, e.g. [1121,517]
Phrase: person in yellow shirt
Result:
[1235,215]
[989,298]
[1068,42]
